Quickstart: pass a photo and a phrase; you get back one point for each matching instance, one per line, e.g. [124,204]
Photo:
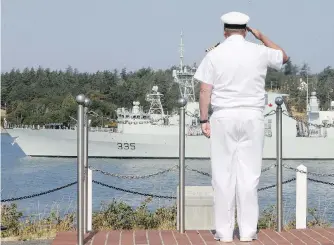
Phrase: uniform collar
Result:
[235,37]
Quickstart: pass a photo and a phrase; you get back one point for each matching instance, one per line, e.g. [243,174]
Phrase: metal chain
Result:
[272,186]
[147,194]
[272,112]
[321,182]
[191,114]
[171,197]
[329,125]
[133,176]
[308,173]
[198,171]
[132,192]
[39,194]
[268,168]
[209,175]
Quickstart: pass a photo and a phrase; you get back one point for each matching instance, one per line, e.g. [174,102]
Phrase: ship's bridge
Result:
[136,114]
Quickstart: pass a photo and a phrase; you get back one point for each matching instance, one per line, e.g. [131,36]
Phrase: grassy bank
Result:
[115,215]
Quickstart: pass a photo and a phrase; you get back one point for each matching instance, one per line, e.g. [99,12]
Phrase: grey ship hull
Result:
[152,141]
[62,143]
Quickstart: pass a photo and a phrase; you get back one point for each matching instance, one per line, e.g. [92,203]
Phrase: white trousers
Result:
[237,138]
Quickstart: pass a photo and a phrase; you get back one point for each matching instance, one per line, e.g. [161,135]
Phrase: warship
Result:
[154,134]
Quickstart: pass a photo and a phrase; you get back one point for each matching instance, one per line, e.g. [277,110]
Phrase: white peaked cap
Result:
[235,18]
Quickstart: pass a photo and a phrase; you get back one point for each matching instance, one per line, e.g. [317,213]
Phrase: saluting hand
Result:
[255,32]
[206,129]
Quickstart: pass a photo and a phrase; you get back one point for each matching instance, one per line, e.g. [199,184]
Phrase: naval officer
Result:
[232,77]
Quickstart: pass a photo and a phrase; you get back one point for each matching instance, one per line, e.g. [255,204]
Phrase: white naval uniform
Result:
[237,70]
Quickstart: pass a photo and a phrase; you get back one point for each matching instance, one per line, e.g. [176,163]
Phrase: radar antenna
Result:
[154,98]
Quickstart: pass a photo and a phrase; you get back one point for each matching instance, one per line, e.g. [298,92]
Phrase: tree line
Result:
[41,96]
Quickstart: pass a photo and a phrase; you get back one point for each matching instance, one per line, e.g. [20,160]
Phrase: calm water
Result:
[25,176]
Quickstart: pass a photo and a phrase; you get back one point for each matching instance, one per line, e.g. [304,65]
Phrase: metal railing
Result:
[82,163]
[181,206]
[279,206]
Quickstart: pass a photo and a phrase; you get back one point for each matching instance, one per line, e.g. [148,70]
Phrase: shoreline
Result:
[17,239]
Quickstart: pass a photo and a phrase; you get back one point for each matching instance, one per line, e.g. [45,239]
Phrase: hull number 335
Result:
[126,146]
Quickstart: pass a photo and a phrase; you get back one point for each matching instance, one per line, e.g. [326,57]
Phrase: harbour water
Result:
[25,176]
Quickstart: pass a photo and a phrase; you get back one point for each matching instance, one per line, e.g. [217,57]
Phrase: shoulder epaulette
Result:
[211,48]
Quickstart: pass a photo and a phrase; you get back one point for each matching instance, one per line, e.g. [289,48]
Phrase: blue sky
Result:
[93,35]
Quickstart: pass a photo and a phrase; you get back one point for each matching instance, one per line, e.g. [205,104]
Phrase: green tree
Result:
[37,96]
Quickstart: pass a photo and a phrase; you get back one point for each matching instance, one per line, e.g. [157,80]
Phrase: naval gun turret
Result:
[136,110]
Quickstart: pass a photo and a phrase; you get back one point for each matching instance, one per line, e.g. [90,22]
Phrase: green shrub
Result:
[30,227]
[10,218]
[118,215]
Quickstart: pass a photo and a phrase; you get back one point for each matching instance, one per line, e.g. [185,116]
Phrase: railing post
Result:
[182,103]
[301,197]
[87,103]
[90,199]
[80,165]
[279,102]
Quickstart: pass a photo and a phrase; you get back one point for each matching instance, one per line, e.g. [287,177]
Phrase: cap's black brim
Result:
[232,26]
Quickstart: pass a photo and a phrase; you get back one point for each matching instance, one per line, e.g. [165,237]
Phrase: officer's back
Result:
[240,69]
[232,76]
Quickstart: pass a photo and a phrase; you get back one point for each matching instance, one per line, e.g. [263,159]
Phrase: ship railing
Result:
[308,124]
[102,129]
[38,127]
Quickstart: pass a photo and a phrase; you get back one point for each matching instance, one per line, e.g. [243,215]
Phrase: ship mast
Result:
[181,52]
[307,103]
[184,77]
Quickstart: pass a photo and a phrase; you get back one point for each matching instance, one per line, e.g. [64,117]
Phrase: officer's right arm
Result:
[275,58]
[275,54]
